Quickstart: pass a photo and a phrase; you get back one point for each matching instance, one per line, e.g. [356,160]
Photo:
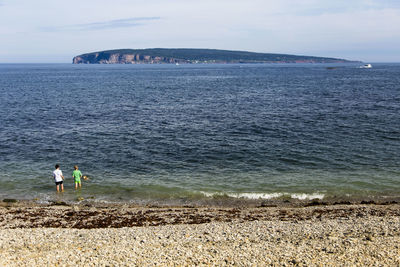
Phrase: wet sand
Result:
[128,235]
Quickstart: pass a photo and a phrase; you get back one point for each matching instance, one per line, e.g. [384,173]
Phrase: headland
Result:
[193,56]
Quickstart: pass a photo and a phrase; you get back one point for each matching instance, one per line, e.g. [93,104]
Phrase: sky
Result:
[54,31]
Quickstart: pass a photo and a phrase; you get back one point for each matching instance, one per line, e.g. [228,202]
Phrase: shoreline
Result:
[216,201]
[131,235]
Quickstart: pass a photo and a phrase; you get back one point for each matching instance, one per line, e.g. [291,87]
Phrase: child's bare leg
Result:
[58,188]
[62,188]
[76,185]
[80,185]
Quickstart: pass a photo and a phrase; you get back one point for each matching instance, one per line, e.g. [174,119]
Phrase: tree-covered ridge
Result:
[189,55]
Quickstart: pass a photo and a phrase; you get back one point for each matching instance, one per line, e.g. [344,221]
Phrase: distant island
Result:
[193,56]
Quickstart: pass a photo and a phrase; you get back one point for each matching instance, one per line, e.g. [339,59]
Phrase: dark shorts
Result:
[58,183]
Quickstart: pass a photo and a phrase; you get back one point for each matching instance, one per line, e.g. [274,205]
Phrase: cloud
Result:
[96,26]
[318,7]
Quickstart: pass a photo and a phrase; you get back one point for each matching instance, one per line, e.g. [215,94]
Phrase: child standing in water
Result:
[76,174]
[58,178]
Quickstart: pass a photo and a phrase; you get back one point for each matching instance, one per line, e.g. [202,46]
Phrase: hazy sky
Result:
[57,30]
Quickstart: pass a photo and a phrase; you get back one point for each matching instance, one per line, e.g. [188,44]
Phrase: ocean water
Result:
[189,133]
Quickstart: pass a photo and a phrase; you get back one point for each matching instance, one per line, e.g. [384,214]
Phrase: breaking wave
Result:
[300,196]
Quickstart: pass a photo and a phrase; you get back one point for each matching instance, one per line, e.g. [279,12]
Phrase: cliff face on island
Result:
[118,58]
[192,56]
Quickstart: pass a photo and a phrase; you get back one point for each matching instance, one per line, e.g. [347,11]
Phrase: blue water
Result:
[166,133]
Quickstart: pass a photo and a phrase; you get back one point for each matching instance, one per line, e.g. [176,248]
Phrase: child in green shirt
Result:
[76,174]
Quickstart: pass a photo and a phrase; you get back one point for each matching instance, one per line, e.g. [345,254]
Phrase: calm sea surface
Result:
[180,134]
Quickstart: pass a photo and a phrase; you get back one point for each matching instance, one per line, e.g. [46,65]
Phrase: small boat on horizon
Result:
[366,66]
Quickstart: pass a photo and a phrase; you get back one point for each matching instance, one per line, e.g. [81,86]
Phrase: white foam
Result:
[256,195]
[301,196]
[307,196]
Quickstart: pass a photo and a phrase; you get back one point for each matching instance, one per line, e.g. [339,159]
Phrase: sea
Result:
[201,133]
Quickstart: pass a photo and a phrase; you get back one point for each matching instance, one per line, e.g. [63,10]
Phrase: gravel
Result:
[349,240]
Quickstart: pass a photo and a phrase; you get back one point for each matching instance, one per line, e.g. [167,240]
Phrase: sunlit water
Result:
[166,133]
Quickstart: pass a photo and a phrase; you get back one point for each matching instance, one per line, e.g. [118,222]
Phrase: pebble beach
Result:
[124,235]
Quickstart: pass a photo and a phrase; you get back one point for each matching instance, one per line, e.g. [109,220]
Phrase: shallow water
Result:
[166,133]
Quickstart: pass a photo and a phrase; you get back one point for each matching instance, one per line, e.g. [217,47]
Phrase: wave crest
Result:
[300,196]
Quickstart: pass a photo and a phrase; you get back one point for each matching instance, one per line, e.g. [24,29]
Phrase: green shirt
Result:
[77,175]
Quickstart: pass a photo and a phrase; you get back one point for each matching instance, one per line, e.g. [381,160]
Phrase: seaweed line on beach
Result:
[86,217]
